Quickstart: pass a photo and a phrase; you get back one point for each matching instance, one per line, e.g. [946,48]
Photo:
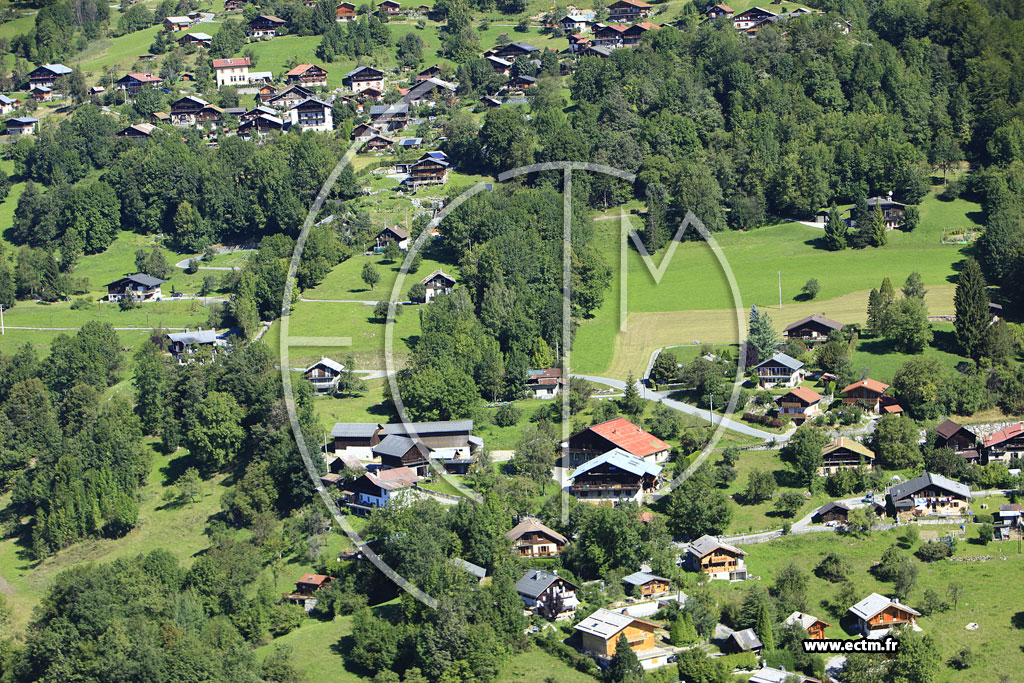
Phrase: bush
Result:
[741,660]
[983,518]
[985,533]
[963,659]
[506,416]
[80,303]
[933,551]
[580,662]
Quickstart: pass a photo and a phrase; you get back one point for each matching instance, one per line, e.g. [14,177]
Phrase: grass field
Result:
[762,516]
[345,280]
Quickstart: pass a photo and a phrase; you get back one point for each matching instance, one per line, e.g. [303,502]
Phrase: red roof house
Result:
[617,433]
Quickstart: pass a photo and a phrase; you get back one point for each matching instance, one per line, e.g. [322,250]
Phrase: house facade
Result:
[312,114]
[799,404]
[289,97]
[831,513]
[530,538]
[814,626]
[893,213]
[779,371]
[428,171]
[812,329]
[132,83]
[265,26]
[307,75]
[47,74]
[615,477]
[387,487]
[22,125]
[363,77]
[716,559]
[547,594]
[752,18]
[345,12]
[396,451]
[647,584]
[930,495]
[546,383]
[139,287]
[174,24]
[324,375]
[959,439]
[629,11]
[845,453]
[876,614]
[437,283]
[183,345]
[233,71]
[866,392]
[391,234]
[618,433]
[599,634]
[1004,445]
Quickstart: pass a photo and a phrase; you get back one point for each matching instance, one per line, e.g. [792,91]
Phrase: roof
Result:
[949,428]
[869,384]
[640,578]
[395,108]
[359,69]
[770,675]
[313,578]
[143,78]
[410,142]
[476,570]
[1004,434]
[140,278]
[197,36]
[41,88]
[271,18]
[815,317]
[442,162]
[523,46]
[530,525]
[144,128]
[4,99]
[782,359]
[196,337]
[354,429]
[909,488]
[438,272]
[804,394]
[429,427]
[178,20]
[300,69]
[399,232]
[56,68]
[849,444]
[746,639]
[875,603]
[25,120]
[804,620]
[621,459]
[328,363]
[829,506]
[393,478]
[607,624]
[706,544]
[535,582]
[629,437]
[231,62]
[395,445]
[499,60]
[634,3]
[307,101]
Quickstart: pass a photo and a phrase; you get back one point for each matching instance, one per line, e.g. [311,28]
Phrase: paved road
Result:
[219,250]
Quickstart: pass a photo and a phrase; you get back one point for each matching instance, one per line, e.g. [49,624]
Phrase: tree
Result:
[682,632]
[971,304]
[789,503]
[665,367]
[189,486]
[895,442]
[370,275]
[631,403]
[392,252]
[763,627]
[860,520]
[790,589]
[696,507]
[916,661]
[955,592]
[625,665]
[985,532]
[191,232]
[762,334]
[833,568]
[410,50]
[835,230]
[215,434]
[535,454]
[876,313]
[908,326]
[811,288]
[879,234]
[760,487]
[911,219]
[803,453]
[914,287]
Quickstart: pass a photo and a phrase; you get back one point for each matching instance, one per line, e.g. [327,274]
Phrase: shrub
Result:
[983,518]
[741,660]
[933,551]
[80,303]
[507,415]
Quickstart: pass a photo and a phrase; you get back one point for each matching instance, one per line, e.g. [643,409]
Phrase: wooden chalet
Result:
[21,125]
[647,584]
[512,50]
[547,594]
[779,371]
[140,287]
[629,11]
[599,51]
[260,125]
[265,93]
[235,5]
[814,627]
[521,82]
[742,641]
[289,97]
[752,19]
[389,234]
[47,74]
[437,283]
[390,8]
[893,213]
[447,435]
[430,91]
[500,66]
[312,114]
[615,477]
[388,117]
[609,35]
[304,590]
[132,83]
[346,12]
[41,93]
[530,538]
[929,495]
[307,75]
[813,328]
[716,11]
[265,26]
[401,451]
[831,512]
[845,453]
[1004,445]
[186,111]
[632,35]
[959,439]
[877,613]
[429,72]
[377,490]
[378,143]
[867,393]
[363,77]
[195,38]
[324,375]
[716,559]
[174,24]
[617,433]
[799,404]
[574,23]
[183,345]
[8,104]
[545,383]
[599,634]
[136,131]
[430,169]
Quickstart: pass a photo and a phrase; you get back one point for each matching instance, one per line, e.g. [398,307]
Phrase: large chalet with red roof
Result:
[870,394]
[1004,445]
[308,75]
[617,433]
[628,11]
[134,82]
[799,403]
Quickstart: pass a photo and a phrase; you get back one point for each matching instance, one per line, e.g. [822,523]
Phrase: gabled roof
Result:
[24,120]
[179,20]
[804,620]
[140,278]
[640,578]
[301,69]
[948,428]
[355,429]
[536,581]
[869,384]
[1003,435]
[443,426]
[499,60]
[196,35]
[476,570]
[41,88]
[522,46]
[309,100]
[437,273]
[58,69]
[529,526]
[4,99]
[770,675]
[359,69]
[706,544]
[875,603]
[746,639]
[393,478]
[629,437]
[394,229]
[271,18]
[815,317]
[830,506]
[782,359]
[396,446]
[196,337]
[230,62]
[294,88]
[327,363]
[141,78]
[909,488]
[191,98]
[621,459]
[804,394]
[395,108]
[849,444]
[316,579]
[607,624]
[633,3]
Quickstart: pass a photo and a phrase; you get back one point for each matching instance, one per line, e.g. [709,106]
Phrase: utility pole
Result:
[780,290]
[711,410]
[2,319]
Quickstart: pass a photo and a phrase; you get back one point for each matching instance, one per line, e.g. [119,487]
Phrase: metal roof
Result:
[395,445]
[140,278]
[476,570]
[421,428]
[746,639]
[705,544]
[621,459]
[533,526]
[606,624]
[782,359]
[197,337]
[908,488]
[875,603]
[327,363]
[640,578]
[815,317]
[354,429]
[535,582]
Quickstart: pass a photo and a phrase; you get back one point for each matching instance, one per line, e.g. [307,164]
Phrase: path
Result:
[341,301]
[219,250]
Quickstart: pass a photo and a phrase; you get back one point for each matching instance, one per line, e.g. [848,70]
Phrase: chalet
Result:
[546,383]
[617,433]
[312,114]
[716,559]
[615,477]
[609,35]
[233,71]
[574,23]
[598,51]
[799,403]
[378,143]
[346,12]
[866,392]
[959,439]
[390,8]
[304,590]
[186,111]
[831,512]
[22,125]
[752,18]
[437,283]
[93,90]
[132,83]
[521,82]
[261,78]
[500,66]
[893,213]
[647,584]
[1004,445]
[429,170]
[140,287]
[260,125]
[876,614]
[369,95]
[289,97]
[391,234]
[600,632]
[844,453]
[197,39]
[779,371]
[429,72]
[47,74]
[451,436]
[410,143]
[628,11]
[813,328]
[716,11]
[235,5]
[814,626]
[265,26]
[324,375]
[173,24]
[512,50]
[530,538]
[387,487]
[742,641]
[266,93]
[632,35]
[256,112]
[1008,522]
[401,451]
[7,104]
[184,344]
[40,93]
[929,495]
[430,91]
[363,77]
[547,594]
[578,43]
[308,75]
[390,116]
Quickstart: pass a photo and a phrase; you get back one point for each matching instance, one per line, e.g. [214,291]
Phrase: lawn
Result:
[883,361]
[369,406]
[345,281]
[315,650]
[168,313]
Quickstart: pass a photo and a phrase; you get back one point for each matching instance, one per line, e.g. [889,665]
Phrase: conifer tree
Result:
[762,335]
[835,230]
[971,304]
[879,235]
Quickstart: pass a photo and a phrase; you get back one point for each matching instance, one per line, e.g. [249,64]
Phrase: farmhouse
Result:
[41,93]
[392,234]
[930,495]
[452,436]
[136,130]
[345,12]
[799,403]
[876,614]
[715,11]
[265,26]
[1008,522]
[616,477]
[647,584]
[893,213]
[140,287]
[378,143]
[131,84]
[429,170]
[628,11]
[304,590]
[575,23]
[260,125]
[959,439]
[813,328]
[546,383]
[512,50]
[172,24]
[187,110]
[437,283]
[600,632]
[499,65]
[752,18]
[1005,444]
[832,511]
[308,75]
[397,451]
[779,371]
[429,72]
[185,344]
[429,91]
[530,538]
[47,74]
[814,626]
[234,71]
[22,125]
[363,77]
[742,641]
[390,8]
[716,559]
[312,114]
[289,97]
[866,392]
[609,35]
[324,375]
[197,39]
[845,453]
[547,594]
[619,433]
[378,490]
[389,116]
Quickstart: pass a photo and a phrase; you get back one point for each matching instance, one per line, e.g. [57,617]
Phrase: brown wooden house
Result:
[1004,445]
[814,626]
[959,439]
[628,11]
[813,328]
[615,477]
[799,404]
[600,632]
[617,433]
[547,594]
[832,511]
[647,584]
[845,453]
[716,559]
[345,12]
[308,75]
[401,451]
[437,283]
[878,613]
[866,392]
[930,495]
[530,538]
